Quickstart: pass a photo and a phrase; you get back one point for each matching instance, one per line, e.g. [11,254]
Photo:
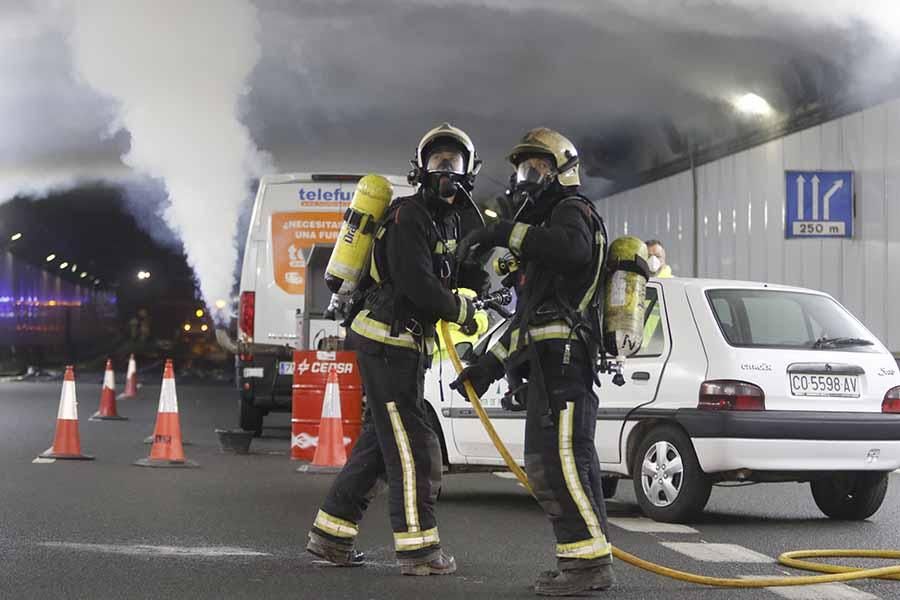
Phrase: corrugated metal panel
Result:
[741,216]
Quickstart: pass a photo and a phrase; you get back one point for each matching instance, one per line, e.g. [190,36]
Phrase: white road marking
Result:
[722,553]
[147,550]
[819,591]
[40,460]
[642,525]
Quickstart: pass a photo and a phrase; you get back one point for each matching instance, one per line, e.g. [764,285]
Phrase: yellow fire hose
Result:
[837,573]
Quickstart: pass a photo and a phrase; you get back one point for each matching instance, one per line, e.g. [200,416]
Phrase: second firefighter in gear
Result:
[411,286]
[560,243]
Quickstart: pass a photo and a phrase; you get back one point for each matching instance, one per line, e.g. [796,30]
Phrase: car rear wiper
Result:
[827,342]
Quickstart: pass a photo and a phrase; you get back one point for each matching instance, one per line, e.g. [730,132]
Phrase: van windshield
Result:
[778,319]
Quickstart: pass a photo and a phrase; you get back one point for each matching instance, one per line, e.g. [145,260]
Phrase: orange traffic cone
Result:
[107,411]
[131,384]
[330,454]
[167,450]
[67,442]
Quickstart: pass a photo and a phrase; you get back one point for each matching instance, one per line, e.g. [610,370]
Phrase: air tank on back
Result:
[350,257]
[623,308]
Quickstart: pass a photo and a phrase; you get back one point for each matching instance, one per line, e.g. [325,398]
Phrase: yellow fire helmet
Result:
[547,141]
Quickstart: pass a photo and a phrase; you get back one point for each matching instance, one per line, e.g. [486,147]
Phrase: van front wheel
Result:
[251,417]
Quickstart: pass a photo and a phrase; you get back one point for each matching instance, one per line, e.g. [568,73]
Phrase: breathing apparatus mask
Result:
[534,176]
[445,171]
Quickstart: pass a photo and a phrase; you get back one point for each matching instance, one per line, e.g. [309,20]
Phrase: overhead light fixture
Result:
[751,104]
[490,213]
[74,267]
[83,275]
[51,257]
[143,275]
[63,265]
[15,237]
[96,282]
[220,304]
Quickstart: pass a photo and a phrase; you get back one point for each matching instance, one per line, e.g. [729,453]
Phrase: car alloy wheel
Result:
[662,473]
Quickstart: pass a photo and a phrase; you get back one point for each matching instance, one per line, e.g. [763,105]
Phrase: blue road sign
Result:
[819,204]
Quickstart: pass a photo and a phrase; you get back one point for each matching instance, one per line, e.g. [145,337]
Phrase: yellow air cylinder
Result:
[623,309]
[354,246]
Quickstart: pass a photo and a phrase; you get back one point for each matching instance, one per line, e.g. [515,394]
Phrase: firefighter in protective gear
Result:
[392,328]
[551,342]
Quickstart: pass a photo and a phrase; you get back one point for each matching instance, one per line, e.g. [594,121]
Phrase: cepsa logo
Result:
[318,367]
[325,197]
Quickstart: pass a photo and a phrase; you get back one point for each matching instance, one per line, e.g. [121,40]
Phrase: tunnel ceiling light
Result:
[74,267]
[96,282]
[15,237]
[490,213]
[751,104]
[51,257]
[63,265]
[83,274]
[142,275]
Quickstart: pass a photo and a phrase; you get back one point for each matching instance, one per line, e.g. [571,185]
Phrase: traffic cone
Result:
[131,385]
[330,454]
[167,450]
[67,442]
[107,411]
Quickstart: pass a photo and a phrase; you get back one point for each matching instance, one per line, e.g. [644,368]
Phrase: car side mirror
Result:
[466,351]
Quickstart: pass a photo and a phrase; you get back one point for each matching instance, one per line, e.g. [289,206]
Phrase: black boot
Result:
[574,581]
[342,555]
[444,564]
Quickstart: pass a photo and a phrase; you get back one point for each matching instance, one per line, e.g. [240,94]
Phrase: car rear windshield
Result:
[778,319]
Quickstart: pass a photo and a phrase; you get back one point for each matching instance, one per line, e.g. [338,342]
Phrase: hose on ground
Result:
[834,573]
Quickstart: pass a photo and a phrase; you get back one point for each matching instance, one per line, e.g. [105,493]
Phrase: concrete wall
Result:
[741,204]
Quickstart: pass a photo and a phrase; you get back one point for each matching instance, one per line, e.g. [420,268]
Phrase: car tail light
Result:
[248,315]
[724,394]
[891,402]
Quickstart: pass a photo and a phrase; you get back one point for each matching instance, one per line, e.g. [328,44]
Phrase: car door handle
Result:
[641,376]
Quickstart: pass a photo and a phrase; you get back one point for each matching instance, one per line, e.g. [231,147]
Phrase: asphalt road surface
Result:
[236,526]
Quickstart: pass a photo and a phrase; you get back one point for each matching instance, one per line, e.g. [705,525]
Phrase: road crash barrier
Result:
[314,371]
[108,410]
[66,441]
[167,450]
[836,573]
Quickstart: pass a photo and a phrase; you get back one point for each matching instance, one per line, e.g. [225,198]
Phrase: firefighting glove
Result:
[481,374]
[466,317]
[481,241]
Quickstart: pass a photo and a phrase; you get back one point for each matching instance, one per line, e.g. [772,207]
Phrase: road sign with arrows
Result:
[819,204]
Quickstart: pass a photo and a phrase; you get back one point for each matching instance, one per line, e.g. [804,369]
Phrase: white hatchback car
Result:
[745,382]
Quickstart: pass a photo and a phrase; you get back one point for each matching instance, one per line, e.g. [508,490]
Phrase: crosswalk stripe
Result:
[721,553]
[642,525]
[819,591]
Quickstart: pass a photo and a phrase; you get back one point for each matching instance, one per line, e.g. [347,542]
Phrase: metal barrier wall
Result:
[741,200]
[38,309]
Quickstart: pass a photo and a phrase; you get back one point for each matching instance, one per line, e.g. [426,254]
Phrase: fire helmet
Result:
[547,142]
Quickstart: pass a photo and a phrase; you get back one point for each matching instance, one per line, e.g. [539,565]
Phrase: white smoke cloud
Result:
[178,71]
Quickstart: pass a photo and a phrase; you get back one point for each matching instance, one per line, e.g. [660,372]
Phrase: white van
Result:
[295,222]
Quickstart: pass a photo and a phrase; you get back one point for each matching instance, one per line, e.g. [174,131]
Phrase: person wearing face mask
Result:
[560,243]
[411,284]
[657,260]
